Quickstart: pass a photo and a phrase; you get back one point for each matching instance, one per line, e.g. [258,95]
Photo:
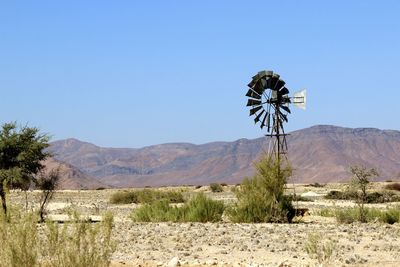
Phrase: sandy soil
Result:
[228,244]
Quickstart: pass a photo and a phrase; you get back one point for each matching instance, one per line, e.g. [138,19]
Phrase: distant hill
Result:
[71,177]
[318,154]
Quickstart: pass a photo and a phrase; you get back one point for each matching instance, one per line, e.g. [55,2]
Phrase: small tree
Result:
[21,156]
[261,198]
[47,182]
[361,178]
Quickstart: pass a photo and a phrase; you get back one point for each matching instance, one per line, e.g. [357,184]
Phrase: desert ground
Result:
[231,244]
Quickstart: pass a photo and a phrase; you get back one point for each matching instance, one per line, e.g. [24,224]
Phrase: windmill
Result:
[269,100]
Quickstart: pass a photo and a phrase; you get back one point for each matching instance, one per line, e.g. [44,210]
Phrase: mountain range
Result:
[320,153]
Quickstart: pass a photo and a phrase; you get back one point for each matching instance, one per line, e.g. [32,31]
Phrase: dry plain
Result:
[231,244]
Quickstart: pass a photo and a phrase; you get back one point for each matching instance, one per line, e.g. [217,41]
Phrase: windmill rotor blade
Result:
[256,119]
[273,82]
[263,82]
[269,82]
[283,116]
[253,94]
[279,84]
[253,102]
[284,91]
[262,73]
[254,110]
[251,84]
[263,121]
[258,87]
[285,108]
[254,80]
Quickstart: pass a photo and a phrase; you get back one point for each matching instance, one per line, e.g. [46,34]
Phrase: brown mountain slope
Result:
[318,154]
[71,177]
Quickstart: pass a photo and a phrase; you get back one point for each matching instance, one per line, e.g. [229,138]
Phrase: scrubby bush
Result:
[145,196]
[393,186]
[216,188]
[362,176]
[75,244]
[295,197]
[316,185]
[19,240]
[198,209]
[47,183]
[325,212]
[342,195]
[350,215]
[373,197]
[80,243]
[202,209]
[158,211]
[320,249]
[261,198]
[347,215]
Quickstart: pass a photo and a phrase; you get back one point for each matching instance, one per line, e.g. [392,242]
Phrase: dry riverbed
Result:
[229,244]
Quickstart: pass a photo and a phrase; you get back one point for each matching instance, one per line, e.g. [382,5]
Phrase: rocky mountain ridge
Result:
[320,153]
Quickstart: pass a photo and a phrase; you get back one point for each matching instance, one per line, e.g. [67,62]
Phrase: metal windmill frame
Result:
[269,100]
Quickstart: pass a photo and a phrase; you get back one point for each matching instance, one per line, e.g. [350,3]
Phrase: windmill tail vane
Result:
[269,100]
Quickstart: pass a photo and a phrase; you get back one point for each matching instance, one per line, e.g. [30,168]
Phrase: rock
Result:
[174,262]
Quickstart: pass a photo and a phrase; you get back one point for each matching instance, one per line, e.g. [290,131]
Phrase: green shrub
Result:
[216,188]
[19,240]
[295,197]
[100,188]
[80,243]
[261,198]
[145,196]
[75,244]
[342,195]
[319,249]
[390,216]
[158,211]
[202,209]
[393,186]
[198,209]
[316,185]
[325,212]
[350,215]
[373,197]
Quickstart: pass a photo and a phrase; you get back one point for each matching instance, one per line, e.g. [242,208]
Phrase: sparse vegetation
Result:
[295,197]
[145,196]
[393,186]
[316,185]
[342,195]
[320,249]
[350,215]
[77,243]
[47,183]
[261,198]
[373,197]
[361,178]
[198,209]
[216,188]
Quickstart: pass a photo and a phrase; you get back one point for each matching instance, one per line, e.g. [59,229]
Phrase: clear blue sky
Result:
[136,73]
